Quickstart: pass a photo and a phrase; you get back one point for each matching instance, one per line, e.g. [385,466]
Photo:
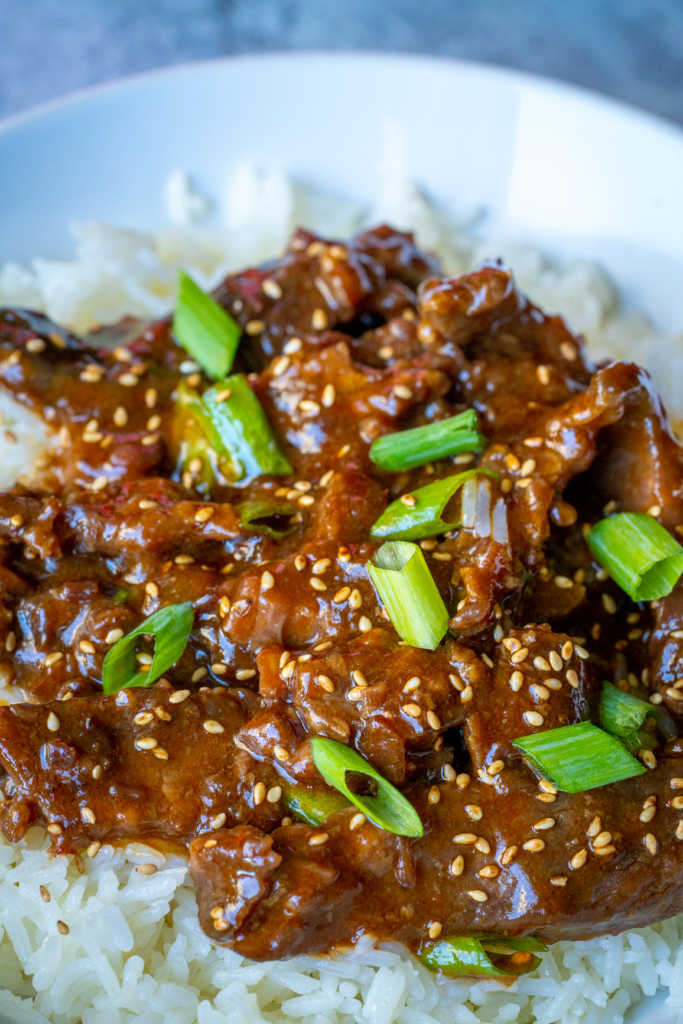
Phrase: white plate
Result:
[557,165]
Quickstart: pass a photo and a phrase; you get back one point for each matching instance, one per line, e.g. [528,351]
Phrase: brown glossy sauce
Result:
[343,343]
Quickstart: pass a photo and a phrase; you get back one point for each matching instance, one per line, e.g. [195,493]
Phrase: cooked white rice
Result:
[134,950]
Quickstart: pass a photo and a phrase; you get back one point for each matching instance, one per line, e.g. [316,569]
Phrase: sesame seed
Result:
[559,880]
[219,821]
[466,695]
[199,674]
[465,839]
[355,599]
[93,849]
[495,768]
[679,830]
[544,824]
[259,793]
[533,718]
[52,659]
[146,743]
[648,759]
[478,895]
[534,845]
[328,396]
[62,928]
[474,812]
[178,696]
[602,839]
[539,692]
[433,720]
[146,869]
[433,796]
[462,780]
[595,827]
[489,871]
[211,726]
[519,656]
[52,722]
[482,845]
[325,683]
[578,860]
[516,680]
[572,678]
[508,855]
[364,624]
[528,466]
[254,327]
[651,843]
[457,865]
[357,820]
[435,929]
[401,391]
[318,839]
[412,710]
[648,813]
[88,815]
[267,581]
[271,288]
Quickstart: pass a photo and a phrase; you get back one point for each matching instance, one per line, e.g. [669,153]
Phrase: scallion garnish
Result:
[638,553]
[421,517]
[484,956]
[415,447]
[170,627]
[204,328]
[624,715]
[579,757]
[224,433]
[311,807]
[407,590]
[241,430]
[267,517]
[388,809]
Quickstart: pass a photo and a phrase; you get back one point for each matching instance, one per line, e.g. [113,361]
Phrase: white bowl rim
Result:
[502,73]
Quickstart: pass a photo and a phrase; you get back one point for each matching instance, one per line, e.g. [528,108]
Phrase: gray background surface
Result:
[631,49]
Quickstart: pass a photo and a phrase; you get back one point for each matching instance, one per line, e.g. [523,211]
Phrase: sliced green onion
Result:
[241,430]
[624,715]
[579,757]
[415,447]
[193,451]
[638,553]
[314,808]
[204,329]
[170,627]
[266,517]
[407,590]
[226,434]
[484,956]
[422,517]
[388,809]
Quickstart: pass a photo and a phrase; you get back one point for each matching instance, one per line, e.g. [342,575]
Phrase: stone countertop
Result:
[630,49]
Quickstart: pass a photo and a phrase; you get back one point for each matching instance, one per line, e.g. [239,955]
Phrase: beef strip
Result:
[156,763]
[343,343]
[491,862]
